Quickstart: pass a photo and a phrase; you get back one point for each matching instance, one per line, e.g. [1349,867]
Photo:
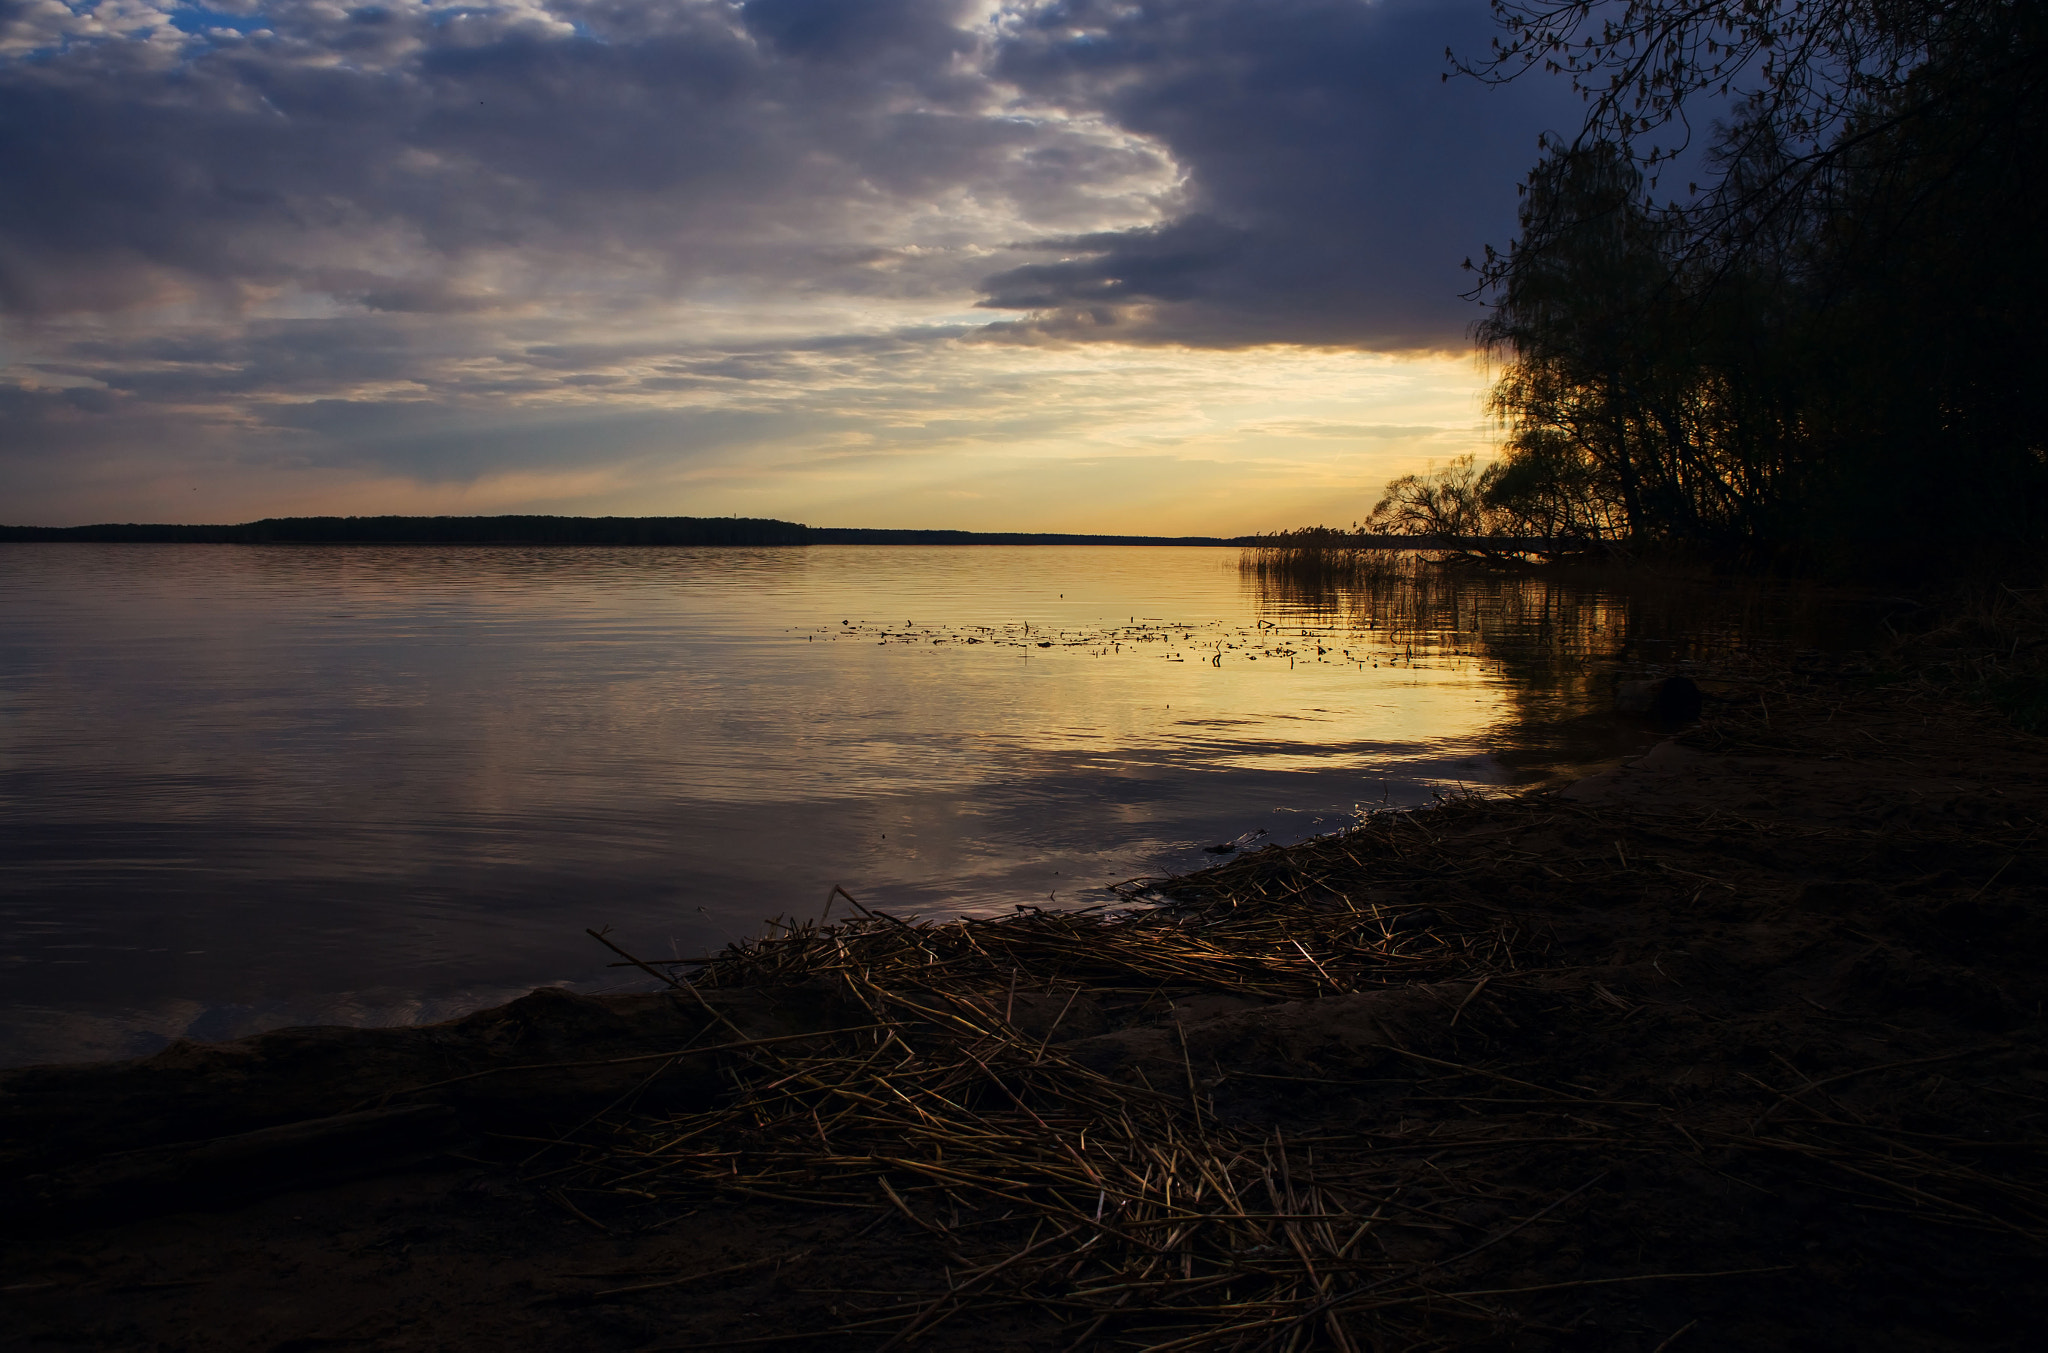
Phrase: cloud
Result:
[254,244]
[1335,181]
[909,37]
[409,158]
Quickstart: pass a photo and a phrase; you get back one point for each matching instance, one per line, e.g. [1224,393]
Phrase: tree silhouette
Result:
[1826,355]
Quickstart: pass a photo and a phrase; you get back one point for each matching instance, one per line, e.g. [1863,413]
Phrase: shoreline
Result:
[724,532]
[559,531]
[1761,1009]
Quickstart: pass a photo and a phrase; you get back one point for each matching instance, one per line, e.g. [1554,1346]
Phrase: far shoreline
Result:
[728,532]
[535,530]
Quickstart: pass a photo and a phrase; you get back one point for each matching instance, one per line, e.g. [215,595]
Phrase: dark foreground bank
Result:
[1738,1046]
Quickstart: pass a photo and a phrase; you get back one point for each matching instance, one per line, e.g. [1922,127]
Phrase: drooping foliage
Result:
[1827,356]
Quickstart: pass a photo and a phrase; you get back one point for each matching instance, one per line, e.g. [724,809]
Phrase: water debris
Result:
[1239,843]
[1212,641]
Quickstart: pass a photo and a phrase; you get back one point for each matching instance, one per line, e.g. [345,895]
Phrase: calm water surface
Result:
[247,787]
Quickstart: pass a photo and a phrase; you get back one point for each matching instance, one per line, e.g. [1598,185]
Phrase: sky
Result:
[1158,266]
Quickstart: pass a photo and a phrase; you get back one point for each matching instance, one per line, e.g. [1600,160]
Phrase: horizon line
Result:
[559,529]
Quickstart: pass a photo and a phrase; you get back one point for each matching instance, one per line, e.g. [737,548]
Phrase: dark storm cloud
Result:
[411,160]
[915,37]
[1336,182]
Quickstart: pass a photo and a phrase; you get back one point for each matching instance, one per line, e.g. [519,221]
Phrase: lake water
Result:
[248,787]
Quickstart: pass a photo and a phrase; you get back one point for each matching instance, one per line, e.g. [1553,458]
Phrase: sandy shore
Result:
[1738,1044]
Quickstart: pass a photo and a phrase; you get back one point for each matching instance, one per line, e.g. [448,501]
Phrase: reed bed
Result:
[1122,1205]
[1125,1206]
[1989,645]
[1413,1197]
[1319,560]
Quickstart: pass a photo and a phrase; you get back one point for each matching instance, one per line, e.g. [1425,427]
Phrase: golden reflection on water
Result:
[280,784]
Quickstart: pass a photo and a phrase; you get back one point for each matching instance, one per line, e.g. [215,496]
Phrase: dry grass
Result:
[1136,1204]
[1318,561]
[1990,644]
[1418,1198]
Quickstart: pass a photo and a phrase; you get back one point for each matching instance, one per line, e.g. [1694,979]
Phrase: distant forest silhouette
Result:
[1828,354]
[546,530]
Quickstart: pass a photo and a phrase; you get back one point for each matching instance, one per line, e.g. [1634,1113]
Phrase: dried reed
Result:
[1126,1204]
